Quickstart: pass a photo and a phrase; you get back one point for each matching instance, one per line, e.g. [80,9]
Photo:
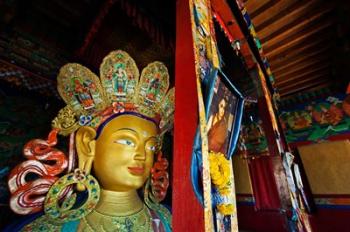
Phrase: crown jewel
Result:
[118,90]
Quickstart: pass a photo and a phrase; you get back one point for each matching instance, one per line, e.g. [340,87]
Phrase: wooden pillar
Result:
[187,211]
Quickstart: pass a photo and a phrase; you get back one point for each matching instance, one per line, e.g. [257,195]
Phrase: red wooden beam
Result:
[187,212]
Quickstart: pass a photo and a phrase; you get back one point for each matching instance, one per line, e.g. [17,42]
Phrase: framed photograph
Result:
[224,109]
[224,114]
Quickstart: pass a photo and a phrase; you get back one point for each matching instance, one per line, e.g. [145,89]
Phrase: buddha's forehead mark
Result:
[145,133]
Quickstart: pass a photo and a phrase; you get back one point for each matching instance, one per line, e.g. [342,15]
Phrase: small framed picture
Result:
[224,115]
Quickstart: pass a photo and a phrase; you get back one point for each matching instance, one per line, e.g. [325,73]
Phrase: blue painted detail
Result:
[196,162]
[71,226]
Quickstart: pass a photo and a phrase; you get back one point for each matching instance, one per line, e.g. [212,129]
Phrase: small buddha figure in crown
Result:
[117,141]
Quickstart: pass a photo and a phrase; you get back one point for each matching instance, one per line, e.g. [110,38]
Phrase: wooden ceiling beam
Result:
[252,6]
[315,47]
[296,31]
[305,45]
[282,13]
[263,8]
[296,69]
[306,10]
[320,84]
[300,75]
[295,25]
[299,58]
[273,11]
[309,90]
[277,49]
[317,61]
[317,77]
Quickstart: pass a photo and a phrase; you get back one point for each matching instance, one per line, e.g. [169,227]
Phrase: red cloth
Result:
[217,137]
[263,184]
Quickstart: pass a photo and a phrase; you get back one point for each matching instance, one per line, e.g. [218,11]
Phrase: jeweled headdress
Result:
[119,90]
[90,102]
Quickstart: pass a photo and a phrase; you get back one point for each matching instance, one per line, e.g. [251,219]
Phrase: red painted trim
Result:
[267,126]
[325,220]
[261,221]
[222,9]
[187,212]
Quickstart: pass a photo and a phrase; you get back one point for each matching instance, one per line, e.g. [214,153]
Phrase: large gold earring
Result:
[63,212]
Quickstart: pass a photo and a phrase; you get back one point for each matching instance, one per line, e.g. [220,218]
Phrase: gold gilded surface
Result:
[65,121]
[121,158]
[124,153]
[106,218]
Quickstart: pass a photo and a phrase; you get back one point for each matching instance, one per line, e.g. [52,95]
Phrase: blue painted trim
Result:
[347,207]
[102,125]
[245,203]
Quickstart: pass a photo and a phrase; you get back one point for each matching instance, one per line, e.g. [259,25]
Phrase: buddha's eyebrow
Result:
[152,137]
[127,129]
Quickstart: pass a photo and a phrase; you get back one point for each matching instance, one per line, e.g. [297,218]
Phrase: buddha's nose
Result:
[140,153]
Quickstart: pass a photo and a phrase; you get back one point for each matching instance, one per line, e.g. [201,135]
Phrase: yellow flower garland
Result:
[225,209]
[219,170]
[220,175]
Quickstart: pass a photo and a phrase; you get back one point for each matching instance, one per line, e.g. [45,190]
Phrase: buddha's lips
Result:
[136,170]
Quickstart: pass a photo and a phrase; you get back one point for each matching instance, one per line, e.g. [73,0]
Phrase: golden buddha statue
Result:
[116,137]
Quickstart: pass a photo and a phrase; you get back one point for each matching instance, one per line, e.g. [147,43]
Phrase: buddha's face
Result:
[124,153]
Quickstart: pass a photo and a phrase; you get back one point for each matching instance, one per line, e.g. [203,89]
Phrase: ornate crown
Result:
[91,100]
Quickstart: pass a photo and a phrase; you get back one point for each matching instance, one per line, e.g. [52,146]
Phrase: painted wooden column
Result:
[186,209]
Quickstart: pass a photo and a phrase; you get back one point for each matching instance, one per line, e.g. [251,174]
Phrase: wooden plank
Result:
[293,55]
[283,13]
[284,27]
[301,45]
[297,31]
[263,8]
[317,61]
[253,5]
[312,89]
[320,84]
[306,80]
[273,11]
[301,57]
[298,12]
[274,50]
[301,75]
[309,46]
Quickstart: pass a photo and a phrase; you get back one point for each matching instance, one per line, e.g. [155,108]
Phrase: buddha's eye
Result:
[126,142]
[152,148]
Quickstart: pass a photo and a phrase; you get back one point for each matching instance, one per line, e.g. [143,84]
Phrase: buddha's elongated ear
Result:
[85,144]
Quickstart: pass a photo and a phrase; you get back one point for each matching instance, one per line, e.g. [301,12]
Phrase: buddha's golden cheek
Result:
[124,153]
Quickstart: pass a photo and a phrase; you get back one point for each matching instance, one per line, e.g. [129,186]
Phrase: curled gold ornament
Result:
[65,121]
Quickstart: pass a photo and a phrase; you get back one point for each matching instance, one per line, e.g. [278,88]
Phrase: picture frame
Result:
[224,110]
[237,110]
